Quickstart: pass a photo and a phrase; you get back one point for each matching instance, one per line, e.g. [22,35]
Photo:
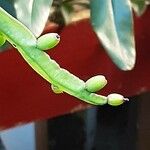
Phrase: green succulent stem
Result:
[26,43]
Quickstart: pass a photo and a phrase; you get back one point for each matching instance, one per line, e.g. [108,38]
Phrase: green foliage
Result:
[2,39]
[112,22]
[55,89]
[95,83]
[48,41]
[115,99]
[33,13]
[62,80]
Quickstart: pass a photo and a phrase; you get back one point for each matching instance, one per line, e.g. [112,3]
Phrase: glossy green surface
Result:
[2,39]
[115,99]
[26,43]
[95,83]
[56,89]
[112,22]
[48,41]
[33,13]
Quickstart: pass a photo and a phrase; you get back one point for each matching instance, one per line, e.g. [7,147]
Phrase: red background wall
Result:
[25,96]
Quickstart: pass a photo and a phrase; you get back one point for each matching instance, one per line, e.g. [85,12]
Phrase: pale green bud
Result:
[2,40]
[56,89]
[116,99]
[48,41]
[95,83]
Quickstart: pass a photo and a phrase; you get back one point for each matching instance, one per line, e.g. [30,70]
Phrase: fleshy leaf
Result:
[113,24]
[33,13]
[62,79]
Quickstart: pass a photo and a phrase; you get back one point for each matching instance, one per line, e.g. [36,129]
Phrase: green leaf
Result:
[33,13]
[9,7]
[139,6]
[113,24]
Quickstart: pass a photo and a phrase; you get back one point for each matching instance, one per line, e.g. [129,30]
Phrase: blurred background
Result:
[32,117]
[104,128]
